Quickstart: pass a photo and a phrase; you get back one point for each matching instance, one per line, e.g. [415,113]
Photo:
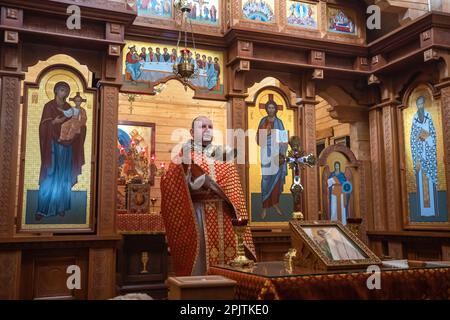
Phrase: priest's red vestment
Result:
[182,228]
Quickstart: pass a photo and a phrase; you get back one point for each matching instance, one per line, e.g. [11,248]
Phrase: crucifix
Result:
[201,3]
[296,160]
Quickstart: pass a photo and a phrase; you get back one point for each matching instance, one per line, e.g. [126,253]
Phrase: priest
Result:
[201,194]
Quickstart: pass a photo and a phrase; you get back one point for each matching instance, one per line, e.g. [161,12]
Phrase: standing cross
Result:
[297,160]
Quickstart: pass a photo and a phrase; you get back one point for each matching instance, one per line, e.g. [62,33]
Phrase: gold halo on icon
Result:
[67,77]
[263,98]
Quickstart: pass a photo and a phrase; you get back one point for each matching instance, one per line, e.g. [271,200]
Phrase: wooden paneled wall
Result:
[327,127]
[171,110]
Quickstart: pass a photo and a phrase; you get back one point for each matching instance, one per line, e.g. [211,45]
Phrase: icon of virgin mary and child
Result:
[62,132]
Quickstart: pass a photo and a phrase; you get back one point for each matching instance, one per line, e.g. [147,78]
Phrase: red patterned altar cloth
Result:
[140,223]
[396,284]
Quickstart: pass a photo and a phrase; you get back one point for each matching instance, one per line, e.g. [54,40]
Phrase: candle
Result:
[153,157]
[239,222]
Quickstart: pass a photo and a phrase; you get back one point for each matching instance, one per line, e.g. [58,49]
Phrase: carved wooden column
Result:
[239,121]
[377,168]
[307,131]
[10,93]
[385,166]
[9,142]
[109,116]
[236,95]
[109,104]
[102,261]
[392,165]
[444,88]
[384,150]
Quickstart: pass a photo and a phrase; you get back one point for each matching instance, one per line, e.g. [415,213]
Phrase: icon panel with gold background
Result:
[76,211]
[424,158]
[277,208]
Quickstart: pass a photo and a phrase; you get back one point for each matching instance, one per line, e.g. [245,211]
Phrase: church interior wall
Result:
[308,75]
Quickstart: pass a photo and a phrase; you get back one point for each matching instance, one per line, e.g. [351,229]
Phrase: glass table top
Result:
[276,269]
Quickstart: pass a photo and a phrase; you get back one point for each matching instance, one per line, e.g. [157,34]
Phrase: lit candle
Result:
[153,157]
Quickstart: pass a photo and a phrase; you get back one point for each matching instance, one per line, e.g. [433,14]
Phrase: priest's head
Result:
[202,130]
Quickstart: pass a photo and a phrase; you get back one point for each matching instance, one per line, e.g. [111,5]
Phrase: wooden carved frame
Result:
[94,162]
[407,224]
[309,254]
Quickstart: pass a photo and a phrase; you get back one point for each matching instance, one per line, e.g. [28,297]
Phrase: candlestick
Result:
[239,227]
[153,201]
[144,261]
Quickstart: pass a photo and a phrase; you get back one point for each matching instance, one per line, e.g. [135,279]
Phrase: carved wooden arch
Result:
[280,91]
[92,60]
[286,80]
[417,80]
[338,148]
[52,67]
[443,64]
[336,95]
